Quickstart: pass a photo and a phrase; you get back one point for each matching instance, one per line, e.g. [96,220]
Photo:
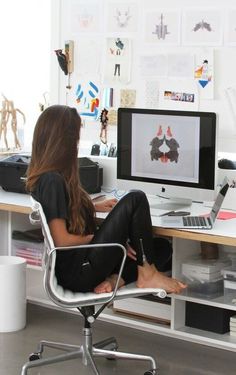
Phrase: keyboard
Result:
[194,221]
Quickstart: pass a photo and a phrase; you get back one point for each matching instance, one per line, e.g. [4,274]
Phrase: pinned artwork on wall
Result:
[230,34]
[151,94]
[181,94]
[162,27]
[88,47]
[87,99]
[127,98]
[122,17]
[204,73]
[84,16]
[154,65]
[202,27]
[117,61]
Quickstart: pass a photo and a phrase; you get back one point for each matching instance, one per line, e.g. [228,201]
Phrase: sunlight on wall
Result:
[25,58]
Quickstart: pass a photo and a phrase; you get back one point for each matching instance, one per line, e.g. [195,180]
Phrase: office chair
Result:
[89,304]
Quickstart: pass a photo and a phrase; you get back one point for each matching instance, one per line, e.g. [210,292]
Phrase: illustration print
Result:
[203,74]
[164,146]
[122,17]
[202,25]
[161,29]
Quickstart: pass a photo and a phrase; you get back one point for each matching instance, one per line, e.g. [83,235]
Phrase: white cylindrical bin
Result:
[12,293]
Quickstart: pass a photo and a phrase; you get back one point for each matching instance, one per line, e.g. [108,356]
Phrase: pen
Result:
[176,213]
[167,213]
[98,197]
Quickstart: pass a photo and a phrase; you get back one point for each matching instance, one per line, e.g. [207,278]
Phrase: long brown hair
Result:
[55,148]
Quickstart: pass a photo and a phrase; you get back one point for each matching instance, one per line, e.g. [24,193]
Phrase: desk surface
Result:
[224,231]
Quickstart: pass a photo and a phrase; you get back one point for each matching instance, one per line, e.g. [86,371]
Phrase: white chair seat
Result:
[75,298]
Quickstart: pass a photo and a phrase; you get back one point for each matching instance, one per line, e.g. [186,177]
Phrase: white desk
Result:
[14,210]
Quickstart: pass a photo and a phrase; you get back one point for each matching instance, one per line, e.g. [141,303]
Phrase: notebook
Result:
[198,222]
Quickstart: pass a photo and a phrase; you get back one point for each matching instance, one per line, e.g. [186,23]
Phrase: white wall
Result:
[224,61]
[25,59]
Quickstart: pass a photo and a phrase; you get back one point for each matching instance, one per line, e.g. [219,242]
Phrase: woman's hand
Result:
[106,205]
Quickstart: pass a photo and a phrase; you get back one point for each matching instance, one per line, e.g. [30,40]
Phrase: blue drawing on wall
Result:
[87,97]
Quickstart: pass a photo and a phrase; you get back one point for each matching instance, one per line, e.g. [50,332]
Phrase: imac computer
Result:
[166,153]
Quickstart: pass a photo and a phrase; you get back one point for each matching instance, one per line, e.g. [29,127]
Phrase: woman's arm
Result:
[62,237]
[106,205]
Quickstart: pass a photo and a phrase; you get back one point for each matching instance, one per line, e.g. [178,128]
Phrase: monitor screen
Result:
[167,153]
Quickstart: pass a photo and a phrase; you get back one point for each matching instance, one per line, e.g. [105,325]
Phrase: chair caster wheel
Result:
[112,359]
[151,372]
[34,356]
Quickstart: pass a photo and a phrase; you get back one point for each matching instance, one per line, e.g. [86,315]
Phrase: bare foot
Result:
[149,277]
[108,285]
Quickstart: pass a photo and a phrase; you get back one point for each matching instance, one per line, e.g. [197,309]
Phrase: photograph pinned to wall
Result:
[181,65]
[204,73]
[153,65]
[112,116]
[122,17]
[117,61]
[230,24]
[162,27]
[127,98]
[181,94]
[202,27]
[85,16]
[151,92]
[87,99]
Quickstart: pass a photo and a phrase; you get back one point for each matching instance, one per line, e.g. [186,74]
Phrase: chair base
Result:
[87,352]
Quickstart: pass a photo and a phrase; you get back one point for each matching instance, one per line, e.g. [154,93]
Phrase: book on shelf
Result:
[147,306]
[30,257]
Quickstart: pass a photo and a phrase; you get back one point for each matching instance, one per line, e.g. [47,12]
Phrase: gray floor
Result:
[175,357]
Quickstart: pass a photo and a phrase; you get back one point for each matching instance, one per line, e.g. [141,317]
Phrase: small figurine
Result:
[3,123]
[104,123]
[62,60]
[9,111]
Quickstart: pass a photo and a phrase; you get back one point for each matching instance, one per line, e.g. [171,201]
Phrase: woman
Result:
[53,180]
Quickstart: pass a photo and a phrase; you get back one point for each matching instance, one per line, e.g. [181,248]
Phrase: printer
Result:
[13,173]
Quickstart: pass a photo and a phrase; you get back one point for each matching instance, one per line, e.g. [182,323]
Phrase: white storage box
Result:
[229,275]
[32,252]
[210,289]
[203,270]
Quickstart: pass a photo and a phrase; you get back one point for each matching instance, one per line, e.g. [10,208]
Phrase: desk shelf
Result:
[223,302]
[14,210]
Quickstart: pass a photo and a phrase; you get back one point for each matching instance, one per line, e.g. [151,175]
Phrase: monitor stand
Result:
[172,204]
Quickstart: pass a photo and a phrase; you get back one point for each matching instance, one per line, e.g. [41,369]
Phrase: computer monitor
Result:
[171,154]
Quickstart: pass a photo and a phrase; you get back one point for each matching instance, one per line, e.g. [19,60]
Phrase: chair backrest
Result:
[37,216]
[59,295]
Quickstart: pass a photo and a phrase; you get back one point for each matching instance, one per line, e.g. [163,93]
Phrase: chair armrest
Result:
[50,269]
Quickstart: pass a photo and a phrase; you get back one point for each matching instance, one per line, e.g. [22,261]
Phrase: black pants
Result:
[129,220]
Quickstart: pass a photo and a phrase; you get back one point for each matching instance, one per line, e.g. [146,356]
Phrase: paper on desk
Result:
[225,215]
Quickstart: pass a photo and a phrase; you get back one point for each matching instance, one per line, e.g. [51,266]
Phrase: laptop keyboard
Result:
[194,221]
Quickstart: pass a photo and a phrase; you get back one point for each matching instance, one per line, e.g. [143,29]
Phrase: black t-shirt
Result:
[51,192]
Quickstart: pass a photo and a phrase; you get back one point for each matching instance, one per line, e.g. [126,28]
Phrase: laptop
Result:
[198,222]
